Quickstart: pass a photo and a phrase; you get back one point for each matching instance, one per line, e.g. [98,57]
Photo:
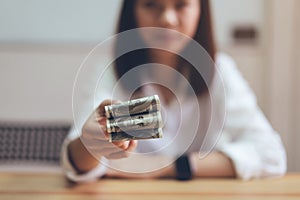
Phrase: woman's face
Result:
[179,15]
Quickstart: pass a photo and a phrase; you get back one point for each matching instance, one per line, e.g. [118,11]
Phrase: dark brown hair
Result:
[203,35]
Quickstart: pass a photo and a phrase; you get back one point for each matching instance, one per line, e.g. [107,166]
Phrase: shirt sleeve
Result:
[254,147]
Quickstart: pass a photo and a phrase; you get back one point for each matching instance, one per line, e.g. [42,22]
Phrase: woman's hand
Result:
[95,137]
[93,143]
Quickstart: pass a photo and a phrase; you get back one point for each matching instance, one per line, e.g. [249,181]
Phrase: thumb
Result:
[100,110]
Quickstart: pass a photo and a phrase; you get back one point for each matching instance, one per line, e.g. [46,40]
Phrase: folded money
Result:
[134,120]
[136,135]
[132,107]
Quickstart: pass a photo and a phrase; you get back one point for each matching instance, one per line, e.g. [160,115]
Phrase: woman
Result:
[248,146]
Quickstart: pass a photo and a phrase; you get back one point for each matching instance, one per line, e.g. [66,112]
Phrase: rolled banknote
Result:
[136,106]
[134,123]
[136,135]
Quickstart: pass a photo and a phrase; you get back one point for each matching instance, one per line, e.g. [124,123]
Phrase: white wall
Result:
[36,81]
[94,20]
[57,20]
[229,13]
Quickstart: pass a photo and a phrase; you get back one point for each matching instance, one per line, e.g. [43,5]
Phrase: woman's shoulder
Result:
[225,62]
[228,69]
[232,80]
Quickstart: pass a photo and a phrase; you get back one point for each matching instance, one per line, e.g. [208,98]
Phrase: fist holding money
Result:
[112,131]
[95,137]
[121,124]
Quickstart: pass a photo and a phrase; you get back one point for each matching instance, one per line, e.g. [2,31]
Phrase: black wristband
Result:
[183,168]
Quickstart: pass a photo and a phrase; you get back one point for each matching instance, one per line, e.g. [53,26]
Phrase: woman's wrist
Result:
[79,157]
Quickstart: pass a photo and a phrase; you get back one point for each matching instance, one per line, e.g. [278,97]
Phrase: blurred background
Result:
[43,42]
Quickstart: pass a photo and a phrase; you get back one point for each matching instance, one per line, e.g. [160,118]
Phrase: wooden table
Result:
[14,186]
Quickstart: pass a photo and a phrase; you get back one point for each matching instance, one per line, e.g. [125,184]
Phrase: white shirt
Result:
[245,136]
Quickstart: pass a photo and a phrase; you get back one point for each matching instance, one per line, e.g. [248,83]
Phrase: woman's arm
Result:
[80,157]
[248,138]
[215,164]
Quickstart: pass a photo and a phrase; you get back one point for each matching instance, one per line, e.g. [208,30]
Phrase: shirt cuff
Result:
[244,157]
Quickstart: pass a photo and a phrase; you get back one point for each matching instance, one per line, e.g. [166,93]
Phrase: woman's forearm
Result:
[216,164]
[80,157]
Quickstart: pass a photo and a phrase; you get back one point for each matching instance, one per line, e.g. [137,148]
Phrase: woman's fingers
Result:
[94,131]
[124,154]
[95,136]
[123,145]
[132,145]
[100,110]
[101,120]
[117,155]
[111,151]
[98,144]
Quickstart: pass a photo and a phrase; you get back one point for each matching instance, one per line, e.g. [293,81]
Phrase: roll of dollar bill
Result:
[136,122]
[136,106]
[136,135]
